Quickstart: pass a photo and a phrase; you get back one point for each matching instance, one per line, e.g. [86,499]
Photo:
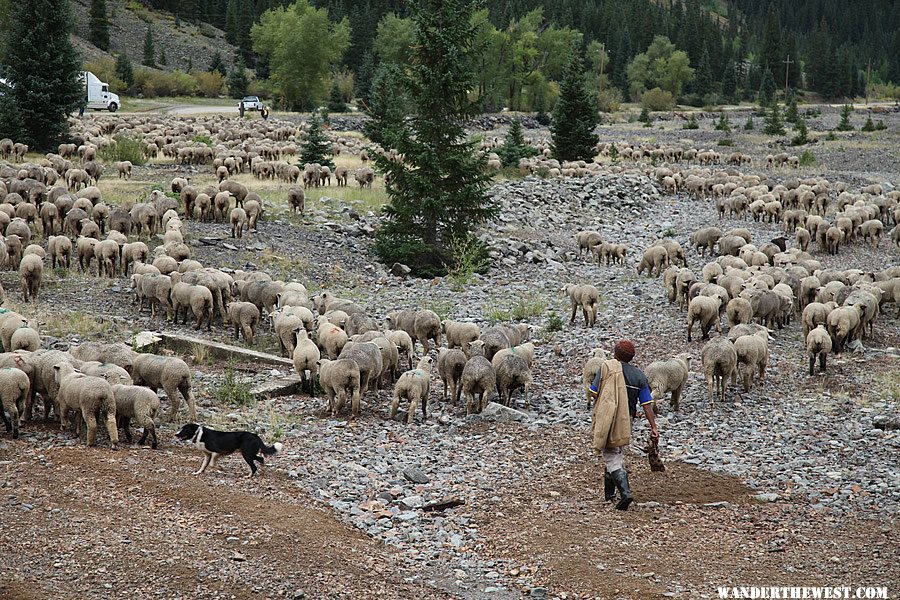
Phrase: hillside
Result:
[186,45]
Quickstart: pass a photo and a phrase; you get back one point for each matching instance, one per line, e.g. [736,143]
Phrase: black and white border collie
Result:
[222,443]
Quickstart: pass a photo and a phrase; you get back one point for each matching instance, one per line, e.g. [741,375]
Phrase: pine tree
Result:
[162,57]
[438,192]
[767,88]
[748,126]
[790,113]
[514,147]
[724,124]
[149,51]
[770,51]
[844,124]
[574,117]
[124,70]
[703,78]
[387,106]
[317,147]
[98,27]
[645,117]
[869,125]
[231,22]
[729,82]
[364,76]
[336,99]
[42,92]
[237,80]
[217,64]
[774,124]
[800,138]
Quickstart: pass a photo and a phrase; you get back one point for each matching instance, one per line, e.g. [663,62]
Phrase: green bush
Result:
[725,142]
[202,138]
[468,256]
[609,100]
[807,159]
[691,123]
[657,99]
[554,322]
[232,391]
[869,125]
[123,148]
[880,126]
[748,126]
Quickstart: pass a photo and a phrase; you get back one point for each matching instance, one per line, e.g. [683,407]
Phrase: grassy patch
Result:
[442,308]
[807,159]
[524,308]
[233,391]
[283,266]
[200,354]
[554,322]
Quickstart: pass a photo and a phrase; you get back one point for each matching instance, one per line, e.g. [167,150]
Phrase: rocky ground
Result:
[793,483]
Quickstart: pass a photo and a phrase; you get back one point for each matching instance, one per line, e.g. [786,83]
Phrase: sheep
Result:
[666,376]
[330,338]
[306,358]
[738,311]
[513,372]
[358,323]
[450,365]
[814,314]
[31,270]
[706,239]
[89,396]
[752,355]
[588,298]
[654,258]
[719,360]
[10,322]
[683,282]
[478,378]
[705,310]
[110,372]
[340,379]
[589,372]
[404,343]
[244,316]
[284,325]
[15,392]
[60,248]
[24,338]
[818,343]
[586,240]
[167,372]
[197,298]
[414,386]
[367,356]
[238,222]
[253,208]
[138,404]
[459,333]
[297,199]
[843,326]
[422,325]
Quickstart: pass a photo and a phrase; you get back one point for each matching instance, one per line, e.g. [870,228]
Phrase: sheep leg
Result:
[455,391]
[574,311]
[584,313]
[174,402]
[6,421]
[676,398]
[394,406]
[424,407]
[126,427]
[812,363]
[822,356]
[91,420]
[354,402]
[444,393]
[412,411]
[185,389]
[709,390]
[111,428]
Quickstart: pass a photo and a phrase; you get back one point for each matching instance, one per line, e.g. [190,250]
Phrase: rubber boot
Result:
[620,477]
[609,487]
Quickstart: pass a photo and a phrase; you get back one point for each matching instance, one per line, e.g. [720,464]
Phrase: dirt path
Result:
[216,536]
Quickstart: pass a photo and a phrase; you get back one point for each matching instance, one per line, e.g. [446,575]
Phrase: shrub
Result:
[645,117]
[807,159]
[468,256]
[202,139]
[725,142]
[232,391]
[801,138]
[609,100]
[748,126]
[182,83]
[105,70]
[830,137]
[844,124]
[723,124]
[691,123]
[868,125]
[554,322]
[880,126]
[123,148]
[542,118]
[209,84]
[657,99]
[525,308]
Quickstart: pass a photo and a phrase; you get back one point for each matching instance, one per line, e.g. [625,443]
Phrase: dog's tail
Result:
[273,449]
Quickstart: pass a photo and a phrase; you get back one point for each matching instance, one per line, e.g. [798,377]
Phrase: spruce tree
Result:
[364,76]
[729,82]
[237,80]
[124,70]
[438,192]
[800,138]
[748,126]
[575,116]
[869,125]
[387,106]
[42,91]
[216,64]
[231,22]
[723,124]
[149,50]
[767,88]
[774,124]
[790,113]
[514,148]
[645,117]
[317,147]
[844,124]
[162,57]
[98,25]
[336,99]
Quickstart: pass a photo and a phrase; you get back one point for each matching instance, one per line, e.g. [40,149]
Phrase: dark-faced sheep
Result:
[414,386]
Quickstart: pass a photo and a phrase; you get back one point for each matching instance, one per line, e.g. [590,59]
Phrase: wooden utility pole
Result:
[787,68]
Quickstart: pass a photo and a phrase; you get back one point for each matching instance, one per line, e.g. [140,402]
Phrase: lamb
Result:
[169,373]
[367,357]
[669,277]
[818,343]
[478,378]
[513,372]
[719,360]
[330,338]
[24,338]
[450,365]
[404,344]
[654,258]
[705,310]
[31,270]
[414,386]
[15,392]
[666,376]
[238,222]
[88,396]
[245,318]
[589,372]
[138,404]
[459,333]
[306,358]
[340,380]
[588,298]
[753,355]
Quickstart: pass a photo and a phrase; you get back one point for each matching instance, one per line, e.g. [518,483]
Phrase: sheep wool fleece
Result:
[611,420]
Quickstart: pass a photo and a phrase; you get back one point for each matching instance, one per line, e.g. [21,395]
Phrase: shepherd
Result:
[619,388]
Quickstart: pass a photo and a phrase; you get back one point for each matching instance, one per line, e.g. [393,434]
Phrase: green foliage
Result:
[767,88]
[748,126]
[800,139]
[438,192]
[217,64]
[790,113]
[123,148]
[388,105]
[807,159]
[209,83]
[336,99]
[774,124]
[669,232]
[691,123]
[845,124]
[394,39]
[233,391]
[468,256]
[514,148]
[124,70]
[237,80]
[317,147]
[554,322]
[657,99]
[202,138]
[575,117]
[830,137]
[613,153]
[162,57]
[149,49]
[660,66]
[364,77]
[645,117]
[609,100]
[880,126]
[302,46]
[42,69]
[98,25]
[868,125]
[726,141]
[527,308]
[723,124]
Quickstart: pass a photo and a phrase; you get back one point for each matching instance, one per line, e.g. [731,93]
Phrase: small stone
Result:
[768,497]
[415,475]
[400,270]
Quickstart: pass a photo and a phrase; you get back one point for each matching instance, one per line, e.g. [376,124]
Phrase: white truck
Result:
[98,95]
